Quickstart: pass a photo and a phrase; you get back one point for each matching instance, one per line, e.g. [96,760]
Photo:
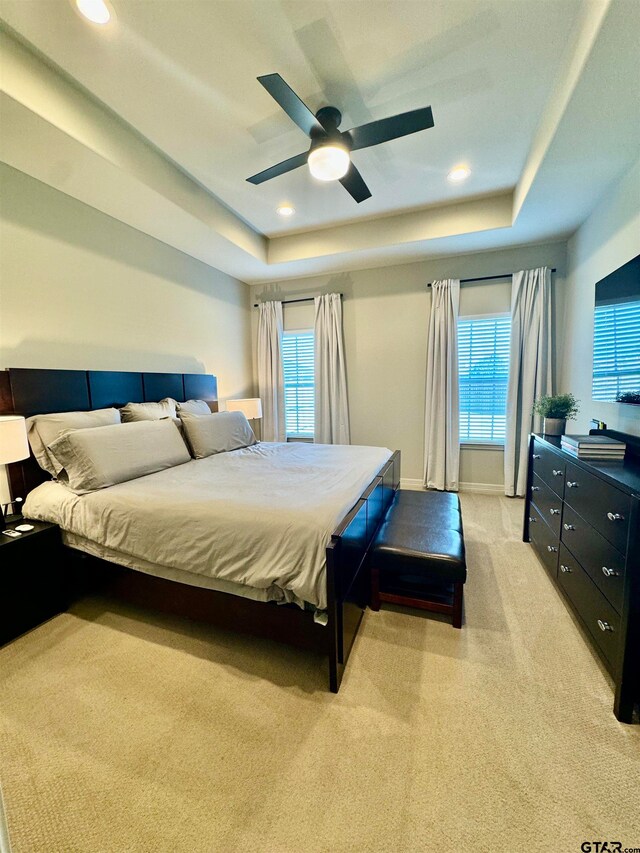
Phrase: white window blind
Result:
[297,357]
[483,365]
[616,349]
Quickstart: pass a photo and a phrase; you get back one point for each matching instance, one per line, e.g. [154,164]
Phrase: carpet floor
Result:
[123,730]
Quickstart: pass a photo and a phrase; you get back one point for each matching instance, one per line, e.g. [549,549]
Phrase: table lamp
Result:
[251,407]
[13,447]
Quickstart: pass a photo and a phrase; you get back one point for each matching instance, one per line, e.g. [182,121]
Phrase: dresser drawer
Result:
[549,467]
[604,563]
[599,503]
[548,502]
[544,540]
[599,617]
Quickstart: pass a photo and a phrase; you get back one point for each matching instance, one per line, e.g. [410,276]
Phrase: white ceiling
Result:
[182,75]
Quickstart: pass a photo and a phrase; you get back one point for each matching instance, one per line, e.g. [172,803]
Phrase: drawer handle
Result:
[615,516]
[554,511]
[551,548]
[537,456]
[535,488]
[565,569]
[532,520]
[604,626]
[609,573]
[568,526]
[572,485]
[557,473]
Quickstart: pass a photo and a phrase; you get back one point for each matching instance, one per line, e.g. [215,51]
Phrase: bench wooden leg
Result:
[458,590]
[454,610]
[375,589]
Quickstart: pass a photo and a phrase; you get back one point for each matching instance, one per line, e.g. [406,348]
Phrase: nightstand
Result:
[33,587]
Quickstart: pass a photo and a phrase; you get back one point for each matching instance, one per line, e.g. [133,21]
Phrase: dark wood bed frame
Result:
[33,391]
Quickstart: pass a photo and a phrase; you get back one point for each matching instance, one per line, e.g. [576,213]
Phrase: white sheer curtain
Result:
[331,402]
[529,368]
[441,422]
[270,371]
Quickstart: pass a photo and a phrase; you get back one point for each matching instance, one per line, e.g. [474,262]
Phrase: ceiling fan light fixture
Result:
[96,11]
[458,174]
[329,162]
[329,158]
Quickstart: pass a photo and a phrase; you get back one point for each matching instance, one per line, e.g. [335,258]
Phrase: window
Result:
[297,357]
[483,365]
[616,349]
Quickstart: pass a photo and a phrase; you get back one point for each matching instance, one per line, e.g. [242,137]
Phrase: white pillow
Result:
[96,458]
[217,433]
[194,407]
[148,411]
[42,430]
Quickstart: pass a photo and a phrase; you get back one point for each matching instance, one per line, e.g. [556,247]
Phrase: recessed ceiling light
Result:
[458,173]
[286,210]
[96,11]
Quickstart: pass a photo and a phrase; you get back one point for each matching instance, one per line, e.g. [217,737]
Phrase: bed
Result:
[271,538]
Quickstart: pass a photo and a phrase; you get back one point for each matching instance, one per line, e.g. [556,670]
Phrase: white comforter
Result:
[261,516]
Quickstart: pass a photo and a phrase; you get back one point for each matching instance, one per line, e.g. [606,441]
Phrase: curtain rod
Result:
[486,278]
[291,301]
[462,281]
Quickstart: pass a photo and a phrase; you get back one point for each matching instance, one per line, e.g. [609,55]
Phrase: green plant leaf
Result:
[557,406]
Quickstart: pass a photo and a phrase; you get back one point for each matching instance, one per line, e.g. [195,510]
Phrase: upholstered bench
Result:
[418,557]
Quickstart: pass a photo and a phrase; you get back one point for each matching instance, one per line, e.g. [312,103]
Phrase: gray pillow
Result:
[42,430]
[96,458]
[148,411]
[194,407]
[217,433]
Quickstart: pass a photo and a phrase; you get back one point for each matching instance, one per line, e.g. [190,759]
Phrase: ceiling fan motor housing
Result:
[329,118]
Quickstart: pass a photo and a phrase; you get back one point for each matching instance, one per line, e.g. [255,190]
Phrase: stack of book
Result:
[594,447]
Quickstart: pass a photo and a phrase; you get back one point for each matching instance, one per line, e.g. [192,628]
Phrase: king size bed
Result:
[275,536]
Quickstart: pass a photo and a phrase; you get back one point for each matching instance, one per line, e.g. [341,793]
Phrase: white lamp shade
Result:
[251,407]
[13,439]
[329,162]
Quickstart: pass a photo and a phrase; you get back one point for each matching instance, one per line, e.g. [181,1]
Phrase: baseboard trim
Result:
[483,488]
[478,488]
[413,485]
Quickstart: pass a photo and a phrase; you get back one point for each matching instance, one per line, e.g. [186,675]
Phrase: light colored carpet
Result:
[125,731]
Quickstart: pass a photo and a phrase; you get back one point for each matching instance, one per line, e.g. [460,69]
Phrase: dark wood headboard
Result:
[26,391]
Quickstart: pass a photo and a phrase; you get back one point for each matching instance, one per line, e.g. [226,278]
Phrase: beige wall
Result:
[385,322]
[79,289]
[608,239]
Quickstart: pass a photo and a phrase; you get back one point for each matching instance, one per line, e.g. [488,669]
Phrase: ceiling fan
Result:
[329,154]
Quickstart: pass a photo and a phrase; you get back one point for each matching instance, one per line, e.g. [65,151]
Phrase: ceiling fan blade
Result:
[279,169]
[391,128]
[296,109]
[354,184]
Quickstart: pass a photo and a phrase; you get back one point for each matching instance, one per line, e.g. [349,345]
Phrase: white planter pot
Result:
[554,426]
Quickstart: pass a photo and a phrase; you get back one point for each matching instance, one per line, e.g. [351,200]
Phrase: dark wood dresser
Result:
[583,519]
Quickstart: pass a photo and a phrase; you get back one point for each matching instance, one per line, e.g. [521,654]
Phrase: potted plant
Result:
[556,410]
[631,397]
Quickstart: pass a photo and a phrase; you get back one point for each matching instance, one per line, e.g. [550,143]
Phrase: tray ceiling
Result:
[182,76]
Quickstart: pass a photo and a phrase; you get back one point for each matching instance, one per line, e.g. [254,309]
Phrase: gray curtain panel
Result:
[529,369]
[270,371]
[331,401]
[442,406]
